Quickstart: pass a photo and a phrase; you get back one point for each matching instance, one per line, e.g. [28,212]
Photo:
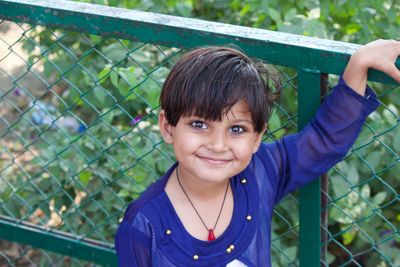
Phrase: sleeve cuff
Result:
[369,100]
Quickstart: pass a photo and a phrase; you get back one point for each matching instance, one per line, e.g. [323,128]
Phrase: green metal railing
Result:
[78,138]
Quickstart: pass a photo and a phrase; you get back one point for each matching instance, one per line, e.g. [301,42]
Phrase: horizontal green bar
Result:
[57,241]
[296,51]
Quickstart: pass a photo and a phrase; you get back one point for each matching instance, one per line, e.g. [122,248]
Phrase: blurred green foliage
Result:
[356,21]
[121,153]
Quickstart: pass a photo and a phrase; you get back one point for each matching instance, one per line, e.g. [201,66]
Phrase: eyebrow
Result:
[236,120]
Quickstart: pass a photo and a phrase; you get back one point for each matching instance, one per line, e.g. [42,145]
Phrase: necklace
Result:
[211,235]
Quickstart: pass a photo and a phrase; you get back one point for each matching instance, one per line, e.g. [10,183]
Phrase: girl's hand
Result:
[380,55]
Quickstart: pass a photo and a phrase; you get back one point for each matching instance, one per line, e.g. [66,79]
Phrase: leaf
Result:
[379,198]
[324,5]
[64,167]
[289,253]
[92,207]
[352,175]
[114,52]
[160,74]
[274,14]
[109,117]
[127,81]
[366,191]
[352,28]
[124,193]
[340,186]
[274,122]
[103,74]
[349,236]
[85,177]
[114,79]
[244,10]
[295,27]
[316,29]
[89,144]
[352,199]
[100,94]
[374,158]
[343,166]
[184,9]
[150,90]
[129,76]
[291,14]
[95,38]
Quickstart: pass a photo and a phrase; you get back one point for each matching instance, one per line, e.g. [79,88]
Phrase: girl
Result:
[214,206]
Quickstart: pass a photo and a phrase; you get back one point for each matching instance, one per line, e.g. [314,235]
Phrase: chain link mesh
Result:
[79,141]
[14,254]
[364,192]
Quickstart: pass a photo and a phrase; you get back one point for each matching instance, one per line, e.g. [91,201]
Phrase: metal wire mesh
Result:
[363,196]
[78,129]
[14,254]
[79,141]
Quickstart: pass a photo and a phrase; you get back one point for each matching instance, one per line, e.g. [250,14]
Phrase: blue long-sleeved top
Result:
[275,170]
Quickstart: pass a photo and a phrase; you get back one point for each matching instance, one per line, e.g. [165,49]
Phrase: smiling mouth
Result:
[214,161]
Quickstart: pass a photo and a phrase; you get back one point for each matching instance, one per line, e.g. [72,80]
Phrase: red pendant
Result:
[211,235]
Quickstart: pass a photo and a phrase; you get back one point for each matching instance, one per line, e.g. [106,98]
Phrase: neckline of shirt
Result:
[178,244]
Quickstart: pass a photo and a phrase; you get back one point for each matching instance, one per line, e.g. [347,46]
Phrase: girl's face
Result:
[212,151]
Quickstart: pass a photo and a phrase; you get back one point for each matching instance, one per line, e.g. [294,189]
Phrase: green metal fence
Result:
[79,87]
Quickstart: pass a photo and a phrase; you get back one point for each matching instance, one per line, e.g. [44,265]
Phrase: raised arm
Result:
[302,157]
[380,55]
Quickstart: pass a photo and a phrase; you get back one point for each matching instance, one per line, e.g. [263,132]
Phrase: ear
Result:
[166,129]
[259,137]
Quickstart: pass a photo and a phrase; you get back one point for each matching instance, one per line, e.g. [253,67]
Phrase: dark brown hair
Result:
[207,82]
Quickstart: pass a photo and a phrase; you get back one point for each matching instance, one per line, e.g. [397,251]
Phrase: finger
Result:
[393,72]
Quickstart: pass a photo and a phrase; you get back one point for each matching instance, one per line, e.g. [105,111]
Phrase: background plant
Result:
[112,95]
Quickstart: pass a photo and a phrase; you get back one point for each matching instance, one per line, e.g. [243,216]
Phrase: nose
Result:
[217,141]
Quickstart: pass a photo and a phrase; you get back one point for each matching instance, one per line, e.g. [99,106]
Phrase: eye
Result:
[198,124]
[237,129]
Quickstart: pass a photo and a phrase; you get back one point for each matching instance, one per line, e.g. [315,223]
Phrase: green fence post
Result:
[309,84]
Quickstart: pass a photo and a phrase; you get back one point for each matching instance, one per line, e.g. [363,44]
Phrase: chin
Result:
[216,178]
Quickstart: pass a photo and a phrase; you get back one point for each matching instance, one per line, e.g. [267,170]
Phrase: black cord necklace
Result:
[211,235]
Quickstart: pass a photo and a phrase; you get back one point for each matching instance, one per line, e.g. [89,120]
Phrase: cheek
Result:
[245,149]
[243,156]
[185,144]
